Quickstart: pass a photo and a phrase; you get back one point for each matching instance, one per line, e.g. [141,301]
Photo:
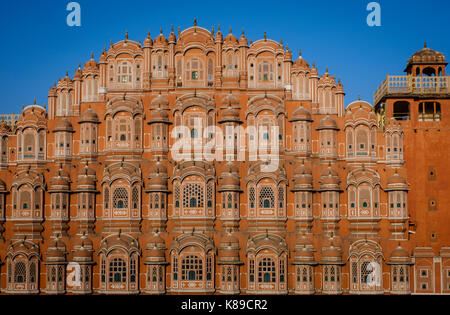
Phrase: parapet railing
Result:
[406,84]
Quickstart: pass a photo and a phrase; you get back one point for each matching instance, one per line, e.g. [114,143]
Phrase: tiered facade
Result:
[92,199]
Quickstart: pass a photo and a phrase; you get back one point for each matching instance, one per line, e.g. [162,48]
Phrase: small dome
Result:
[230,100]
[172,37]
[148,42]
[304,251]
[229,249]
[328,123]
[399,252]
[231,167]
[160,40]
[302,170]
[86,182]
[327,80]
[303,179]
[160,101]
[230,182]
[301,114]
[219,36]
[229,239]
[89,115]
[83,241]
[89,171]
[396,179]
[63,125]
[157,177]
[78,74]
[60,180]
[230,115]
[426,56]
[158,168]
[331,253]
[82,253]
[329,179]
[329,172]
[243,40]
[157,181]
[155,250]
[91,64]
[399,256]
[230,39]
[301,63]
[56,251]
[159,115]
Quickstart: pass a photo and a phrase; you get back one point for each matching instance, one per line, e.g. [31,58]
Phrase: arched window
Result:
[194,70]
[210,71]
[252,197]
[25,199]
[20,272]
[266,197]
[349,143]
[401,110]
[192,268]
[193,196]
[133,270]
[117,271]
[429,111]
[106,198]
[120,198]
[365,202]
[266,271]
[32,272]
[124,73]
[135,197]
[265,71]
[362,141]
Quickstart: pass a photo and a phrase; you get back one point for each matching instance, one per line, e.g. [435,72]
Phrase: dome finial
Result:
[218,28]
[160,31]
[34,102]
[326,70]
[265,35]
[195,22]
[243,32]
[171,28]
[92,55]
[300,52]
[359,97]
[425,44]
[126,35]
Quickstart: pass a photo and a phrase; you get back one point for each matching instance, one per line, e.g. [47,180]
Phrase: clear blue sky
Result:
[38,47]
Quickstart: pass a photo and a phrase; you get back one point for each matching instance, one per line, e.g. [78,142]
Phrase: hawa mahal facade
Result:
[92,202]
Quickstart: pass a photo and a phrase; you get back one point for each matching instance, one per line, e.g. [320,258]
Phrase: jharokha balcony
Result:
[408,85]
